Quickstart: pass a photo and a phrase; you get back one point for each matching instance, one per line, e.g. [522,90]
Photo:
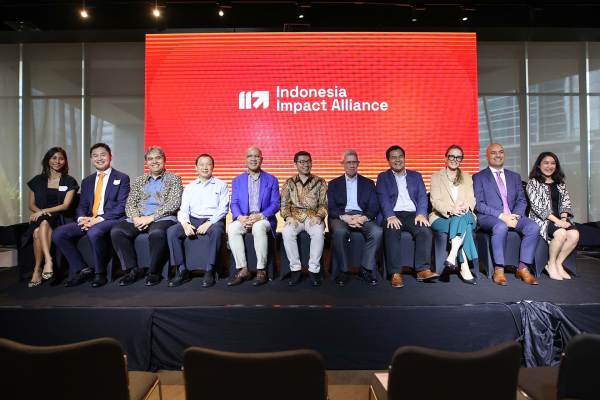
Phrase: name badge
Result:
[116,181]
[62,188]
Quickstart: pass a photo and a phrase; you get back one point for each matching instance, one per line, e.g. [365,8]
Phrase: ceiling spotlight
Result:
[301,15]
[156,12]
[465,18]
[413,15]
[465,12]
[221,12]
[83,13]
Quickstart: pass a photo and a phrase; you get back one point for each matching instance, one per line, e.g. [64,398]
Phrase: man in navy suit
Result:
[353,206]
[101,206]
[500,206]
[403,201]
[254,202]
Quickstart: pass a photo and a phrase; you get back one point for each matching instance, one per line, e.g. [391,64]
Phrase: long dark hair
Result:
[459,175]
[46,161]
[536,173]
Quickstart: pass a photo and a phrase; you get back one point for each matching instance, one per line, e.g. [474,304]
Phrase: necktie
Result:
[98,194]
[503,194]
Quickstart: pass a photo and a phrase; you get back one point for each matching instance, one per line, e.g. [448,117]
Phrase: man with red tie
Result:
[101,206]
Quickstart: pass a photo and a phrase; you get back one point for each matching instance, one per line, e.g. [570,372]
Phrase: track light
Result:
[156,10]
[301,8]
[465,12]
[83,12]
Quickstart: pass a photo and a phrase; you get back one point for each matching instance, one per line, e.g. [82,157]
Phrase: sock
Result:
[522,265]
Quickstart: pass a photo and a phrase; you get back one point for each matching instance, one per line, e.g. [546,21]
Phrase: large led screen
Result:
[320,92]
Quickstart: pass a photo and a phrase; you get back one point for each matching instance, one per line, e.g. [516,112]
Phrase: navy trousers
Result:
[528,230]
[176,237]
[65,238]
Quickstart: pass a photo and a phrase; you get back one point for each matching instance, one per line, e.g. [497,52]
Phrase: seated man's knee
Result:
[500,228]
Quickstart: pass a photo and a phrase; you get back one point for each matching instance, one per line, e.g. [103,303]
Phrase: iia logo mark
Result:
[261,98]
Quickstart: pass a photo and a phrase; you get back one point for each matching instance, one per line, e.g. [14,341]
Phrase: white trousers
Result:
[317,241]
[260,230]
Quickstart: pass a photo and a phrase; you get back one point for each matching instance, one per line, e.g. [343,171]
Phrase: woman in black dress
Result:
[51,193]
[552,210]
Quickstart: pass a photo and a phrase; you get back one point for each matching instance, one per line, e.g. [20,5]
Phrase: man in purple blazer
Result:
[101,206]
[254,203]
[403,201]
[501,206]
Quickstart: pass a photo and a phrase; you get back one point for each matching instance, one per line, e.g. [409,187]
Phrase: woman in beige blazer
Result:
[453,202]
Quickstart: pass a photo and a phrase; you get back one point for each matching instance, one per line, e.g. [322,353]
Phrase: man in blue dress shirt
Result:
[403,201]
[204,205]
[353,206]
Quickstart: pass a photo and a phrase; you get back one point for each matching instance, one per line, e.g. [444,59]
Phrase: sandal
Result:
[47,275]
[34,283]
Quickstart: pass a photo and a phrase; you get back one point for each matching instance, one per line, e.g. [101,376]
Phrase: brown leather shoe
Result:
[426,276]
[526,276]
[261,278]
[499,278]
[239,277]
[397,280]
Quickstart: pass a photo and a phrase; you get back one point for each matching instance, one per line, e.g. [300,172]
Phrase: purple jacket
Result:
[269,199]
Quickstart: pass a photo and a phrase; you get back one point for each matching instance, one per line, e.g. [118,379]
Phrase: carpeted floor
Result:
[585,288]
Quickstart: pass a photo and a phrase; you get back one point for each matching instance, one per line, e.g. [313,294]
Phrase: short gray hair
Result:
[155,149]
[349,152]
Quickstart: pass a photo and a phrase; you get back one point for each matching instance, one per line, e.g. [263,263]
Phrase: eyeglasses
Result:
[303,162]
[397,157]
[455,158]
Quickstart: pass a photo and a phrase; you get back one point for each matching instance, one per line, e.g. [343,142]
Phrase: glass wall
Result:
[533,97]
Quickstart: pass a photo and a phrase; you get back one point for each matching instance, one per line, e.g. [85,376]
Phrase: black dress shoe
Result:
[342,279]
[367,276]
[99,280]
[131,277]
[153,279]
[80,278]
[449,267]
[209,279]
[295,278]
[180,278]
[315,278]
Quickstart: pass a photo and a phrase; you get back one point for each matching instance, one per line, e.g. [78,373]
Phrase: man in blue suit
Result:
[101,206]
[254,202]
[403,201]
[500,206]
[353,206]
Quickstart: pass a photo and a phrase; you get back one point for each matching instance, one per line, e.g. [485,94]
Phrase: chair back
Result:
[422,373]
[578,369]
[290,375]
[94,369]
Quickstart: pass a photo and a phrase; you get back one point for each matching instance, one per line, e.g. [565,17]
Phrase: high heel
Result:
[471,281]
[31,284]
[47,275]
[553,275]
[449,267]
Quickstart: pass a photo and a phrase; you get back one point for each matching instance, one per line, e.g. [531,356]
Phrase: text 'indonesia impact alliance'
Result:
[331,99]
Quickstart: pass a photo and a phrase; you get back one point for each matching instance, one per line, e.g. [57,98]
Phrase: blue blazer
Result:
[487,194]
[115,196]
[268,197]
[387,192]
[366,196]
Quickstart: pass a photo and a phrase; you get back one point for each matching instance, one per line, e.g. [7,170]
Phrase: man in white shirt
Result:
[204,205]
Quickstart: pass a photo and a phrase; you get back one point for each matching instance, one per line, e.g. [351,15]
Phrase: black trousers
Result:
[123,238]
[340,232]
[423,238]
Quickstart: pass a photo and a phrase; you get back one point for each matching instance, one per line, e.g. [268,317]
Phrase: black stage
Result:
[354,327]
